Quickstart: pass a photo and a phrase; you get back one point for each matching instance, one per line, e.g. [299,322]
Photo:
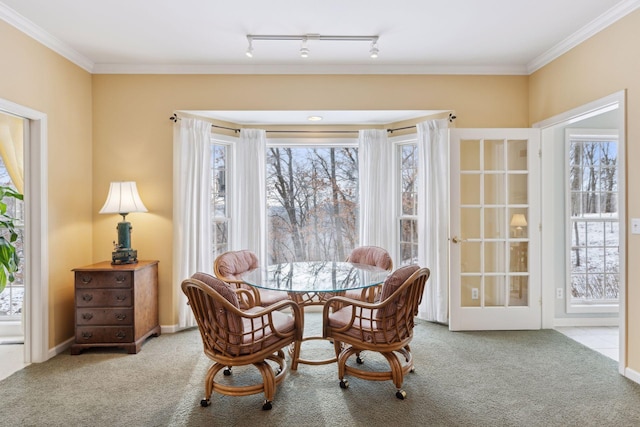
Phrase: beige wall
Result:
[606,63]
[125,117]
[35,77]
[133,135]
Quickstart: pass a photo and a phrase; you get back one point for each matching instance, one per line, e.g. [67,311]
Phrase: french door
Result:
[494,230]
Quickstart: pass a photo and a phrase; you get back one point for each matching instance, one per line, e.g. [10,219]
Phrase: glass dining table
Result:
[312,283]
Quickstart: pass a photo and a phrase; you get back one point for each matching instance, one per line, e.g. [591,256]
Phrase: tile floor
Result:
[603,339]
[12,356]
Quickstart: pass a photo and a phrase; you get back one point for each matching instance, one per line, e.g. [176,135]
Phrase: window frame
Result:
[309,143]
[399,142]
[230,143]
[574,305]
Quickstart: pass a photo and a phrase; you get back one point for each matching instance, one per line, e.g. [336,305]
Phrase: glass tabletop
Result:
[316,276]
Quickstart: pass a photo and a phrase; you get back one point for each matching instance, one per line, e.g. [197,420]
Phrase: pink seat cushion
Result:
[260,333]
[231,265]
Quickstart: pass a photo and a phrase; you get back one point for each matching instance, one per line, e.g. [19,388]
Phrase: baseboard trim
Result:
[586,321]
[632,375]
[60,348]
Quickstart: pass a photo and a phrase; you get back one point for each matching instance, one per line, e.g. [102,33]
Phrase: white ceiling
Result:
[416,36]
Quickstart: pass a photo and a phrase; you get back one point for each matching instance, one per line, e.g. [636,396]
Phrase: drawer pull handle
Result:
[87,335]
[121,279]
[121,298]
[120,335]
[121,316]
[87,297]
[86,279]
[87,316]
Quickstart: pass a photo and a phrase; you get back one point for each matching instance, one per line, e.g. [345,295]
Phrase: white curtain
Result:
[376,185]
[433,216]
[249,213]
[191,207]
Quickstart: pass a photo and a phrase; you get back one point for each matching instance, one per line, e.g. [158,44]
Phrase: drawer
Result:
[103,279]
[104,298]
[104,316]
[103,334]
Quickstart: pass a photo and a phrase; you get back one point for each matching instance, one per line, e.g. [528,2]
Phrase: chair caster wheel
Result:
[412,370]
[205,402]
[344,384]
[227,372]
[266,406]
[401,394]
[359,360]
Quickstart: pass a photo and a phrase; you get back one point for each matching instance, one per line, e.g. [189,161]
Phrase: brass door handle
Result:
[456,240]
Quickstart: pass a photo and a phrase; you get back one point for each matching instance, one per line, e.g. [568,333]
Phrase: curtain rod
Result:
[174,118]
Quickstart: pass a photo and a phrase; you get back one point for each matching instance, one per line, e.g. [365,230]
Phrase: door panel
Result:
[494,229]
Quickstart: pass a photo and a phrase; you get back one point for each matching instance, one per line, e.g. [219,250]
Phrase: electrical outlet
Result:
[474,293]
[559,293]
[635,225]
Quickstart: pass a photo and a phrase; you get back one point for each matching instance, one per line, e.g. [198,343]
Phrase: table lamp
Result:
[123,199]
[518,221]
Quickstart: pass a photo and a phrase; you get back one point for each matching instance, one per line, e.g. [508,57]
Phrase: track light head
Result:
[304,50]
[373,52]
[249,51]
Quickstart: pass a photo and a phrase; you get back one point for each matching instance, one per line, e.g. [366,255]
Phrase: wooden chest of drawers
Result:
[116,305]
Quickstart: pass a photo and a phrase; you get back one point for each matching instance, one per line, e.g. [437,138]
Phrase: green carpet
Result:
[515,378]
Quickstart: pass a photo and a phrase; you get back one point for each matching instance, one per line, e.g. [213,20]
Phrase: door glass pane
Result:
[470,286]
[494,291]
[494,155]
[494,223]
[470,257]
[470,223]
[518,223]
[469,155]
[519,291]
[470,189]
[519,261]
[517,155]
[494,189]
[494,257]
[518,189]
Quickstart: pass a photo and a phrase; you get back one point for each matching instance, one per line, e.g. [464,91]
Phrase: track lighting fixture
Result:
[305,38]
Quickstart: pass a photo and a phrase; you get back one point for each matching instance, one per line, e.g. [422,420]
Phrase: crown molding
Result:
[406,69]
[617,12]
[24,25]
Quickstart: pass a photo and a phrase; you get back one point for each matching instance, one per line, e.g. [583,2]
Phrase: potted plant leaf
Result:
[9,258]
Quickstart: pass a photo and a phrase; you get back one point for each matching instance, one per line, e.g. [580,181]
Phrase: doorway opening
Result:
[565,306]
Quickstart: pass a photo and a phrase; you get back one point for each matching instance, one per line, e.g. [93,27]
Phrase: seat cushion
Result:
[392,283]
[231,265]
[258,333]
[268,297]
[365,327]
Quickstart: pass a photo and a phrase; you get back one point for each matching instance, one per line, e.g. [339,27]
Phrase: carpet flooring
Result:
[514,378]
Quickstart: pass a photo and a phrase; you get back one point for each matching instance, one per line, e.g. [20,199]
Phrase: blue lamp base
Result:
[123,253]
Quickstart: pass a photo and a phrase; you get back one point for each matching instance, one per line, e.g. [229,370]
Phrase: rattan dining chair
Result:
[229,267]
[385,327]
[235,337]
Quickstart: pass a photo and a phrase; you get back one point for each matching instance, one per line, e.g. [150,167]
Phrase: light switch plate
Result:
[635,225]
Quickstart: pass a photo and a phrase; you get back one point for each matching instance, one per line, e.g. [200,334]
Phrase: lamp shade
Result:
[518,220]
[123,198]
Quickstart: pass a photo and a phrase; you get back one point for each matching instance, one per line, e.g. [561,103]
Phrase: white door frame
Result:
[597,107]
[36,295]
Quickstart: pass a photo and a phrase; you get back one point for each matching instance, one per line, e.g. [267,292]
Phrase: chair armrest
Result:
[246,297]
[296,312]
